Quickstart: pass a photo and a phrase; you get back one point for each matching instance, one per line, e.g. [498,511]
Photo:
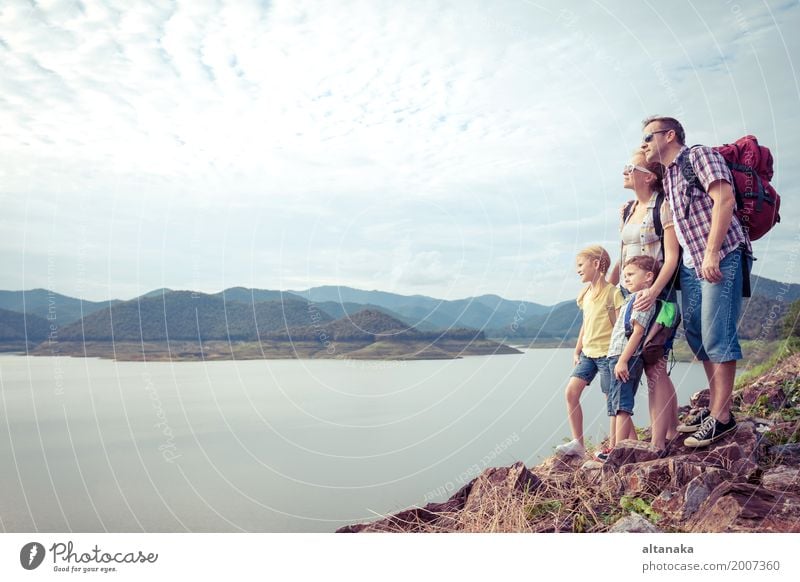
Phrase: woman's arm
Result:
[613,274]
[646,298]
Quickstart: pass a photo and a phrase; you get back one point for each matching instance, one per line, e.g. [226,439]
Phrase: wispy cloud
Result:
[410,144]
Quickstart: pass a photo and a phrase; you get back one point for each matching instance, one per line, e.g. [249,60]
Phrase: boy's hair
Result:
[667,123]
[597,253]
[645,263]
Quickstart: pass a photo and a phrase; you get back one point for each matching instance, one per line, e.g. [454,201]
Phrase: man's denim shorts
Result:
[588,368]
[621,394]
[711,310]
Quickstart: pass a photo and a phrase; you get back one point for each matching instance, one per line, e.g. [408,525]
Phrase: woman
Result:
[639,237]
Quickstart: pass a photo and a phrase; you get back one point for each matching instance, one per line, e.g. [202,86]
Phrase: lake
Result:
[271,445]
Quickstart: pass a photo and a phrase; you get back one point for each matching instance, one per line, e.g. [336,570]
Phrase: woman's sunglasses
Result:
[629,168]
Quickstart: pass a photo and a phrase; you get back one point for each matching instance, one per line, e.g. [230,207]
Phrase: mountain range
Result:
[243,314]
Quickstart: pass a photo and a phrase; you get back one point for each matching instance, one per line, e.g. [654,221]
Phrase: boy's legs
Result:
[624,426]
[612,431]
[622,396]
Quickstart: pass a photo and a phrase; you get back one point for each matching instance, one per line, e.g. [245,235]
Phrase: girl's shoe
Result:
[573,447]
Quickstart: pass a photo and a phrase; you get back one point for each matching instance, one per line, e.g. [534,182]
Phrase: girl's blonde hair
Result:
[597,253]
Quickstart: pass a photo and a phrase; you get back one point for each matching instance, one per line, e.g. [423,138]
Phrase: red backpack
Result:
[757,203]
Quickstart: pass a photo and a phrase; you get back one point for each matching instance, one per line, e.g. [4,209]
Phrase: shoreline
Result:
[187,351]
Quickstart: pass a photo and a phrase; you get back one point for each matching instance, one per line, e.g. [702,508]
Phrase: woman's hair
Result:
[645,263]
[597,253]
[655,167]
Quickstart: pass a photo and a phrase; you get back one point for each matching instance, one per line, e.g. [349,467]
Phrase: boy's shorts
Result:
[588,368]
[621,394]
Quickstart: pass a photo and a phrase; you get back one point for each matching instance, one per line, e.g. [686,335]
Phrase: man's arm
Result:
[721,215]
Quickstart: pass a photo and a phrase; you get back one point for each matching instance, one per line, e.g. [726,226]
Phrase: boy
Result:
[624,351]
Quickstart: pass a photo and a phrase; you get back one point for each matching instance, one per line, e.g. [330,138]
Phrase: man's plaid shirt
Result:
[691,205]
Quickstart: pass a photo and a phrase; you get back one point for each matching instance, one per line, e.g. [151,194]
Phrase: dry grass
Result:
[566,501]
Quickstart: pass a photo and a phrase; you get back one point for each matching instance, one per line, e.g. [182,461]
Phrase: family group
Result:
[680,233]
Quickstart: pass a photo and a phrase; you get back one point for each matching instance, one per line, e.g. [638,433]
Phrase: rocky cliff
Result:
[748,481]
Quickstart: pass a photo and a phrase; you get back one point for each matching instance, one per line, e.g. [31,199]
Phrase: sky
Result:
[448,149]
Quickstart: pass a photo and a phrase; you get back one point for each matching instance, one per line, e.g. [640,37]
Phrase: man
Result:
[697,183]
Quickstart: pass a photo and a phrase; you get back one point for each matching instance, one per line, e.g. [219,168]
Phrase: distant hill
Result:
[370,325]
[251,296]
[62,309]
[184,315]
[772,290]
[484,312]
[18,327]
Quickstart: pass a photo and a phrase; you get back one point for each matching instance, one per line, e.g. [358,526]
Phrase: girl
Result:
[600,303]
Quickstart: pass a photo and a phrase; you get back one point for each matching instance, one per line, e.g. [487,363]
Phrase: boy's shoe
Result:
[602,455]
[573,447]
[692,423]
[710,431]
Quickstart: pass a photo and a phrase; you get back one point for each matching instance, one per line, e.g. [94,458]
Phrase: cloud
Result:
[310,138]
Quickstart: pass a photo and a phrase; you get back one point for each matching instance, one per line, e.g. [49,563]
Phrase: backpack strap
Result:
[687,170]
[628,312]
[659,227]
[626,212]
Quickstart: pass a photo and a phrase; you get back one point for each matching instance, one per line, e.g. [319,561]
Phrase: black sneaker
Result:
[692,423]
[710,431]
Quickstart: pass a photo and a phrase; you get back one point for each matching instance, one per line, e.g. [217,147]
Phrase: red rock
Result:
[414,519]
[648,477]
[630,451]
[744,507]
[634,523]
[680,504]
[701,399]
[698,489]
[500,482]
[782,478]
[788,454]
[764,393]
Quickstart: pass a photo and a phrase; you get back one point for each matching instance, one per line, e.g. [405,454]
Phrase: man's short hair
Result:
[667,123]
[645,263]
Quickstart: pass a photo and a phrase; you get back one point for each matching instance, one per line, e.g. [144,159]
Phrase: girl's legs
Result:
[573,393]
[663,403]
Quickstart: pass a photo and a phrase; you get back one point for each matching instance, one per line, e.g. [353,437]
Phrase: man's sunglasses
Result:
[629,168]
[648,137]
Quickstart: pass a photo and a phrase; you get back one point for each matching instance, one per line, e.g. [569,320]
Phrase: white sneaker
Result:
[573,447]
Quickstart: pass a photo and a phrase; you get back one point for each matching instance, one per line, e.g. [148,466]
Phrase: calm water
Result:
[288,445]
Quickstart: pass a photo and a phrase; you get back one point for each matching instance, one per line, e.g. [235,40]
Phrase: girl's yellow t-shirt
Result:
[597,324]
